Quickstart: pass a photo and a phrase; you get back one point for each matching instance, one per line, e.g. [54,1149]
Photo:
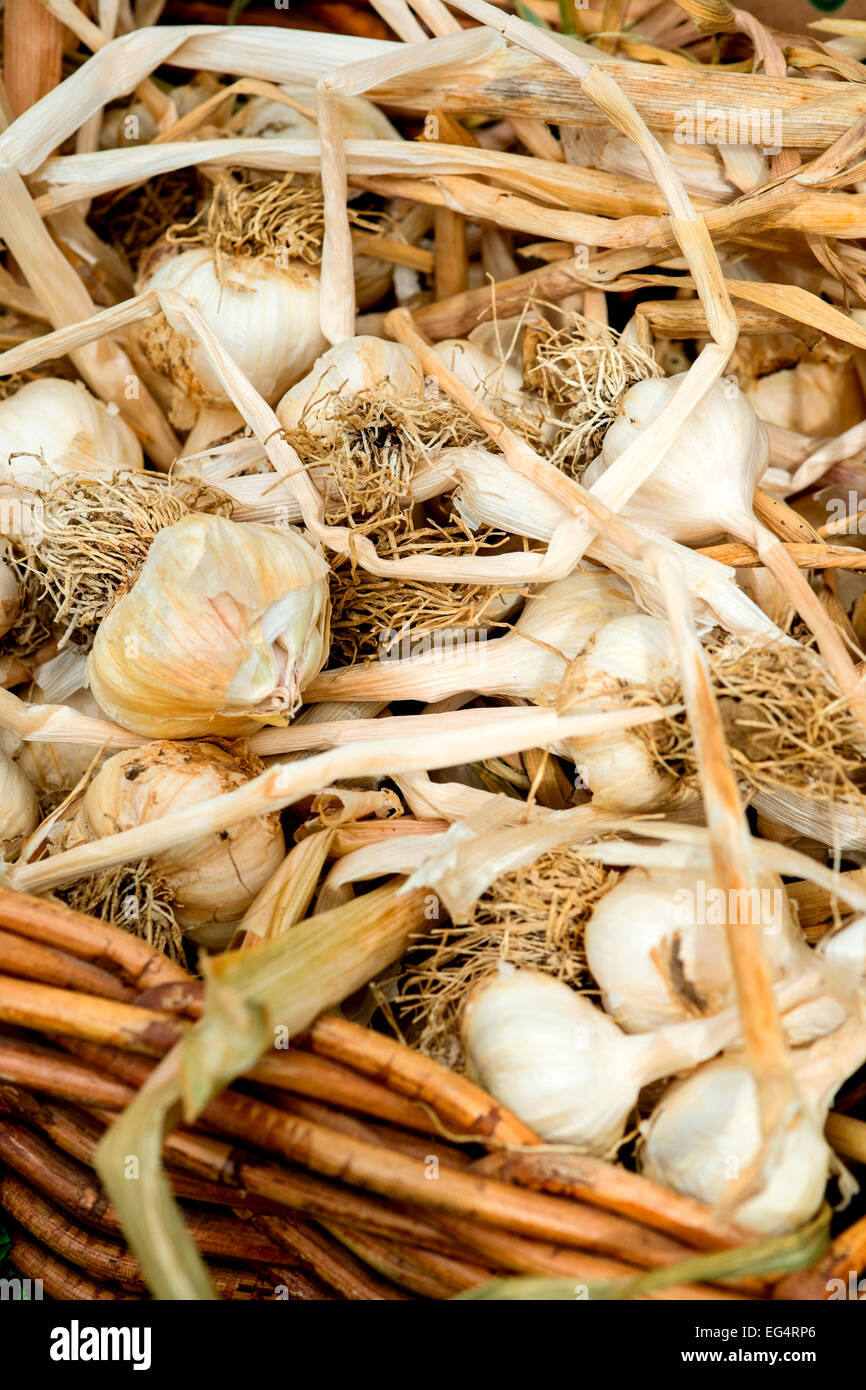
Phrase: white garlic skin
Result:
[58,767]
[10,598]
[52,426]
[706,1131]
[656,945]
[362,365]
[266,318]
[550,1056]
[634,651]
[219,633]
[706,481]
[19,808]
[361,119]
[214,879]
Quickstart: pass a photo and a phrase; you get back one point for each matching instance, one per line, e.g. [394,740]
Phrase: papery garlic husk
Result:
[213,880]
[813,398]
[221,630]
[268,119]
[706,1133]
[656,944]
[706,481]
[54,768]
[563,1066]
[632,653]
[53,426]
[137,126]
[357,366]
[19,808]
[10,598]
[529,663]
[265,316]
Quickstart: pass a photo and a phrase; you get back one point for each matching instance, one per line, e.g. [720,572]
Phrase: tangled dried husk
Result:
[95,538]
[786,726]
[532,917]
[252,215]
[585,368]
[134,897]
[378,616]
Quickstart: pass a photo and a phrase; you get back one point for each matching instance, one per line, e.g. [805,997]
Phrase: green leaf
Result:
[776,1256]
[530,16]
[566,17]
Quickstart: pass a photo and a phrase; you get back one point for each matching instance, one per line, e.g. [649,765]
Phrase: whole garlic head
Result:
[219,633]
[362,365]
[628,653]
[10,598]
[214,880]
[58,767]
[546,1053]
[53,426]
[657,948]
[706,481]
[707,1129]
[19,808]
[265,316]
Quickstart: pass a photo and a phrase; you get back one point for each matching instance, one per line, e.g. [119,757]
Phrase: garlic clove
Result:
[656,945]
[10,598]
[548,1055]
[632,653]
[54,426]
[223,627]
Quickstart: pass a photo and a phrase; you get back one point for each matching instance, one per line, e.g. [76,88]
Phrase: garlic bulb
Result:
[705,484]
[529,663]
[498,384]
[265,316]
[813,398]
[706,1133]
[628,653]
[563,1066]
[656,944]
[58,767]
[219,633]
[10,598]
[54,426]
[19,808]
[212,881]
[361,119]
[369,366]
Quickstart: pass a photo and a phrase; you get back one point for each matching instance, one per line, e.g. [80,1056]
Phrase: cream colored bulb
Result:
[657,947]
[264,315]
[53,426]
[220,632]
[19,808]
[359,366]
[705,483]
[630,654]
[212,880]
